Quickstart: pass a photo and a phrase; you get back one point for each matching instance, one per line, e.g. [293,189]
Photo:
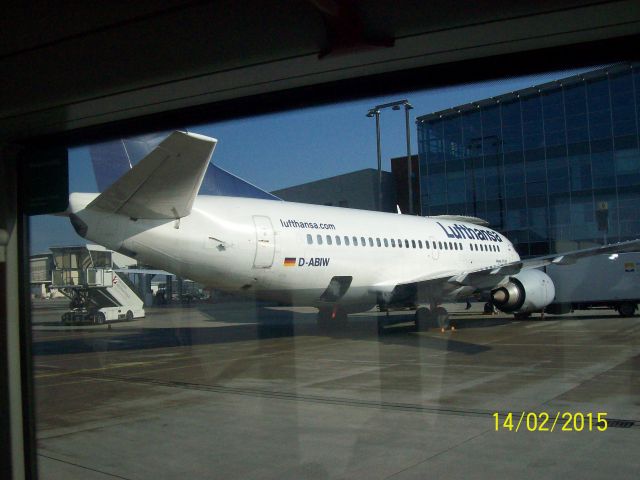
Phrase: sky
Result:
[290,148]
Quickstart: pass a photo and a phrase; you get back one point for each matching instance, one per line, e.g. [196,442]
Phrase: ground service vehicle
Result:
[611,281]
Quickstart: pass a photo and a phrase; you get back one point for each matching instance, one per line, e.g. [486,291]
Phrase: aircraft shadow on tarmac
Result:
[267,324]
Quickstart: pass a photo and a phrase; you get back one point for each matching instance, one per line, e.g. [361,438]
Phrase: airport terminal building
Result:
[554,167]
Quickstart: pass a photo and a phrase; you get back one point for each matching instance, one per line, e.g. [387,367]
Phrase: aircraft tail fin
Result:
[164,184]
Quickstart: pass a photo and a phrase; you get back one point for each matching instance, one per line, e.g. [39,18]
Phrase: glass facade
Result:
[554,167]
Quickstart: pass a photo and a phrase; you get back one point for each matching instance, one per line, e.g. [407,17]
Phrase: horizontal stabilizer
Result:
[163,184]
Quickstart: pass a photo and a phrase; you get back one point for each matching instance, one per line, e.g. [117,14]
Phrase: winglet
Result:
[163,184]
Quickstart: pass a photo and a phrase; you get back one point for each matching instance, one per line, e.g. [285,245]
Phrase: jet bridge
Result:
[85,274]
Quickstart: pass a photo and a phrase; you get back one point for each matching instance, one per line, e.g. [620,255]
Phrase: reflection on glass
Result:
[209,382]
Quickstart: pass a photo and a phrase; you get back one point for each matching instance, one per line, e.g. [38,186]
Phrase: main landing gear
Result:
[435,317]
[332,318]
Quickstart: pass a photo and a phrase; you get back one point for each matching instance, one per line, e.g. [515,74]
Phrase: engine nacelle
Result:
[528,291]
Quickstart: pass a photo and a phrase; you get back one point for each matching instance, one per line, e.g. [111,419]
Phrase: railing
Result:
[77,278]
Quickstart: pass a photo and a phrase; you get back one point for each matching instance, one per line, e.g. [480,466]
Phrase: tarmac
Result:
[239,390]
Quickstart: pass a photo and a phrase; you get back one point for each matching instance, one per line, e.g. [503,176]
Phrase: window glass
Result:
[399,243]
[222,366]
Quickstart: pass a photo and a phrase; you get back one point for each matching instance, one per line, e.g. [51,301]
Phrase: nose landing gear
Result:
[332,318]
[435,317]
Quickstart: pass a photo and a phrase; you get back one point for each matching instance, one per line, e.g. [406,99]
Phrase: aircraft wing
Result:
[164,184]
[491,277]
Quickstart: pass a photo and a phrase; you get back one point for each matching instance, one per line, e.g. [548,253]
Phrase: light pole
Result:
[375,112]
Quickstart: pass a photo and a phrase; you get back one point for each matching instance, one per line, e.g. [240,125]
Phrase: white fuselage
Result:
[272,250]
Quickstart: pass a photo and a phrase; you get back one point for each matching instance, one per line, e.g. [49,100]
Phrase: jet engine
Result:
[528,291]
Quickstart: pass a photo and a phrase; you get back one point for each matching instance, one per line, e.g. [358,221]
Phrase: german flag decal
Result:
[289,262]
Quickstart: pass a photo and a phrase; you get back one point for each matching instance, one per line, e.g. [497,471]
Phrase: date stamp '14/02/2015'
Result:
[550,422]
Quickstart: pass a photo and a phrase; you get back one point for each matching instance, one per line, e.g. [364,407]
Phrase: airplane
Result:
[338,260]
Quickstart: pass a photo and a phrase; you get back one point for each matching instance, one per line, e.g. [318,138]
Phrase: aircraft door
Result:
[265,242]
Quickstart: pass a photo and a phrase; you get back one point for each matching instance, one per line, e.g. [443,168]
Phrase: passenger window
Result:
[309,239]
[378,242]
[329,240]
[393,242]
[445,246]
[419,243]
[450,245]
[371,242]
[426,244]
[413,244]
[338,242]
[455,246]
[498,247]
[355,241]
[460,245]
[386,242]
[434,244]
[363,242]
[440,245]
[399,243]
[346,240]
[319,238]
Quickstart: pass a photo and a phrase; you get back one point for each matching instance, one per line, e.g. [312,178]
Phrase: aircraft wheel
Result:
[100,318]
[442,317]
[422,319]
[626,309]
[324,318]
[341,319]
